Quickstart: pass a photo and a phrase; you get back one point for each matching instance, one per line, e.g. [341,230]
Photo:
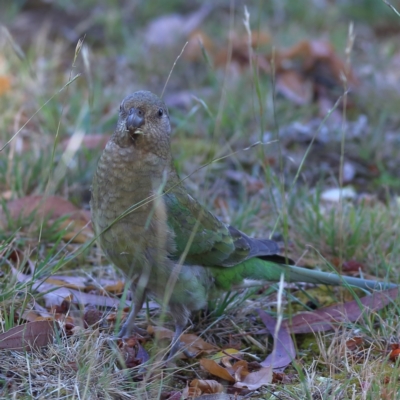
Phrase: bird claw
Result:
[180,346]
[126,331]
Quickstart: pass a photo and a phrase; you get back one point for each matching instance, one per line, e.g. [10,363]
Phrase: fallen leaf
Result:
[207,386]
[239,55]
[132,352]
[194,344]
[284,351]
[255,380]
[198,42]
[92,315]
[215,369]
[354,342]
[54,295]
[330,317]
[294,87]
[116,287]
[352,266]
[51,208]
[240,370]
[28,336]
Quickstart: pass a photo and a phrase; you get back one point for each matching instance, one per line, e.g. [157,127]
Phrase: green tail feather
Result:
[264,271]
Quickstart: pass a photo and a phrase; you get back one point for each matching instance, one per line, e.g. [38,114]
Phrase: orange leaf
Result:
[394,354]
[215,369]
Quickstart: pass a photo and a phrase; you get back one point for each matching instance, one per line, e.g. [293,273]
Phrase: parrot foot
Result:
[179,347]
[128,328]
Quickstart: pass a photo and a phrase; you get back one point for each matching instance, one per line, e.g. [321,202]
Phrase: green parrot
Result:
[168,245]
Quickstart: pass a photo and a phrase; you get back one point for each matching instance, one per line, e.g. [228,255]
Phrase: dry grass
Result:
[248,189]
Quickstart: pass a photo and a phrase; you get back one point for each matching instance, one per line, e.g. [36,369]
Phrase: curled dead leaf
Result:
[207,386]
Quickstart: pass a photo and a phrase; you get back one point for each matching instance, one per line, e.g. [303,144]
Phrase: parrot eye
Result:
[160,112]
[138,111]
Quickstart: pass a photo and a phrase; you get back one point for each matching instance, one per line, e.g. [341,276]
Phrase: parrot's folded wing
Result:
[205,239]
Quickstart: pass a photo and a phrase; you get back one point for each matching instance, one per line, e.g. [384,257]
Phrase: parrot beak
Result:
[135,119]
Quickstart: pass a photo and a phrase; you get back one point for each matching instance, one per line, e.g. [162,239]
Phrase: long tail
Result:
[297,274]
[257,269]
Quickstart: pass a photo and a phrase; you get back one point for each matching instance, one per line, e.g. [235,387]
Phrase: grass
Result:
[254,190]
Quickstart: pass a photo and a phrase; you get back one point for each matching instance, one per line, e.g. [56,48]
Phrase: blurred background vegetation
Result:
[293,76]
[314,83]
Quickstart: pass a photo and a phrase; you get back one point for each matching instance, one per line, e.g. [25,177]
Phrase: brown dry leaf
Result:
[395,353]
[116,288]
[354,342]
[194,344]
[197,345]
[198,40]
[328,318]
[160,332]
[52,208]
[353,266]
[132,352]
[240,370]
[56,295]
[225,356]
[92,315]
[35,315]
[315,57]
[294,87]
[312,71]
[207,386]
[240,49]
[85,284]
[191,393]
[28,336]
[215,369]
[254,380]
[64,283]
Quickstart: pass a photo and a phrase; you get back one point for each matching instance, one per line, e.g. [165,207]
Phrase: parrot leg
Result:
[176,343]
[129,325]
[181,317]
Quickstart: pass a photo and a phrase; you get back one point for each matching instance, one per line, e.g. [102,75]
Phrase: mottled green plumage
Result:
[146,220]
